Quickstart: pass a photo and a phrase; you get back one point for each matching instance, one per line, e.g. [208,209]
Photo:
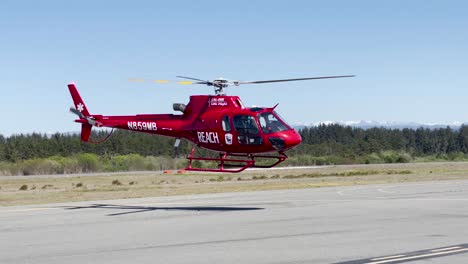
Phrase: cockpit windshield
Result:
[271,123]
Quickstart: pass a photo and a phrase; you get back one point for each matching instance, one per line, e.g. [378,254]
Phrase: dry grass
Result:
[143,185]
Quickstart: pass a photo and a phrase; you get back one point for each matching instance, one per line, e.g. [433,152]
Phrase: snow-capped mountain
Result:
[387,124]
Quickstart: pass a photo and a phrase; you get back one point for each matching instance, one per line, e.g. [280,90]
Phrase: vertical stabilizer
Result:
[82,112]
[85,132]
[79,104]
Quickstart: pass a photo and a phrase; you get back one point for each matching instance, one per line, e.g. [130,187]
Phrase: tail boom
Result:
[161,124]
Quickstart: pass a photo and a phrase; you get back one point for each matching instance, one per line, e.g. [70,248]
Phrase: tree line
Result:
[376,145]
[318,141]
[31,146]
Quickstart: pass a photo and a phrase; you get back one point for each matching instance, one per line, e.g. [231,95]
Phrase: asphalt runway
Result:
[419,222]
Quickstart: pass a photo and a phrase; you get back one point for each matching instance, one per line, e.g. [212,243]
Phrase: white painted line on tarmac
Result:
[287,168]
[221,202]
[436,199]
[26,210]
[384,191]
[420,256]
[389,257]
[444,249]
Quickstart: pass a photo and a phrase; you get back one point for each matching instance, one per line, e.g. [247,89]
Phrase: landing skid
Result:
[232,162]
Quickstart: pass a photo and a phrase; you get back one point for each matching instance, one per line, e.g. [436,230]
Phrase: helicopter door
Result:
[247,130]
[226,124]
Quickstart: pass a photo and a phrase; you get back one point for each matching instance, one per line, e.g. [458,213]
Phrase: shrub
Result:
[197,164]
[154,163]
[372,158]
[88,162]
[219,179]
[23,187]
[403,157]
[399,172]
[131,162]
[457,156]
[135,162]
[293,176]
[8,168]
[41,166]
[116,182]
[395,157]
[71,165]
[116,163]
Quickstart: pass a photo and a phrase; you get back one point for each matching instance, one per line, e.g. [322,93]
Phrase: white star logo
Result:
[80,107]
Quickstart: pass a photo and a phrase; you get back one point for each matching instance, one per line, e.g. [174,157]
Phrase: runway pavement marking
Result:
[289,168]
[420,256]
[238,203]
[384,191]
[389,257]
[444,249]
[26,210]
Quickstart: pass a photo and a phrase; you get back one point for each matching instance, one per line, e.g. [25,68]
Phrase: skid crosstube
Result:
[243,161]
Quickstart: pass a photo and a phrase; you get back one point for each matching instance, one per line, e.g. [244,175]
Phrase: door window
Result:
[247,130]
[226,124]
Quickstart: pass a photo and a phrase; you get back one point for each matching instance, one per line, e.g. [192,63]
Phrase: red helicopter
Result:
[241,135]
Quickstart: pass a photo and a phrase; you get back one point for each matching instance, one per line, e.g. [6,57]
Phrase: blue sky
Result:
[410,58]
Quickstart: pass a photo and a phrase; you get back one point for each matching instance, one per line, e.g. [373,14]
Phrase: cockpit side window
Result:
[247,130]
[245,124]
[226,124]
[270,123]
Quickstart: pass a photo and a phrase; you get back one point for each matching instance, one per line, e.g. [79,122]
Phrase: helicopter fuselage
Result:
[219,123]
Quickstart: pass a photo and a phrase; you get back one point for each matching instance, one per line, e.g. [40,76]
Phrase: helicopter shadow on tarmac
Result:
[131,209]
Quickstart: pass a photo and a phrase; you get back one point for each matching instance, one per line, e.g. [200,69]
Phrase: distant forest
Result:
[348,141]
[323,144]
[322,140]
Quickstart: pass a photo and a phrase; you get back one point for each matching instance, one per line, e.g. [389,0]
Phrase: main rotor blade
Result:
[189,82]
[141,80]
[190,78]
[185,82]
[160,81]
[136,80]
[298,79]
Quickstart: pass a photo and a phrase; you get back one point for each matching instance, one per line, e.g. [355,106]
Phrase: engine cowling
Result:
[179,107]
